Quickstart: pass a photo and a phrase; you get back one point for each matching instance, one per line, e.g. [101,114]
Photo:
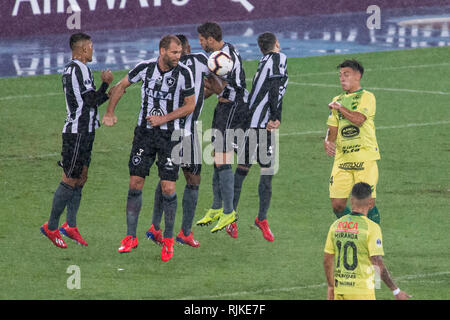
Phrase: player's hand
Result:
[330,148]
[272,125]
[109,119]
[330,293]
[334,105]
[107,76]
[156,121]
[402,295]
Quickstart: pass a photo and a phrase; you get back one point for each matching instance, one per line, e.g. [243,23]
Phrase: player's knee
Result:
[136,183]
[338,206]
[168,187]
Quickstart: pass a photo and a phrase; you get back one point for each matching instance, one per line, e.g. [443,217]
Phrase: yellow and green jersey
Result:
[353,239]
[353,143]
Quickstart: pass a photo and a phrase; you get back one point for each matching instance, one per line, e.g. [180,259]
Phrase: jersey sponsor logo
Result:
[155,94]
[378,242]
[156,112]
[347,226]
[351,166]
[349,131]
[351,149]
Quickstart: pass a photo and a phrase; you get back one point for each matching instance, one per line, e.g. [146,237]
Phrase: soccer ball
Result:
[220,63]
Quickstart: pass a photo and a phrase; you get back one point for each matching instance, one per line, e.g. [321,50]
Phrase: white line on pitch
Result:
[372,88]
[312,286]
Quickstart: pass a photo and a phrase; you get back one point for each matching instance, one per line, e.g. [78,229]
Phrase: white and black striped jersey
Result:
[236,87]
[161,92]
[268,88]
[81,98]
[198,63]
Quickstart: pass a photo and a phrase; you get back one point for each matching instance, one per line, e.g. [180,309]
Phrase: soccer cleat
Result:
[128,243]
[225,219]
[264,226]
[167,249]
[54,236]
[210,216]
[189,240]
[231,229]
[155,235]
[72,233]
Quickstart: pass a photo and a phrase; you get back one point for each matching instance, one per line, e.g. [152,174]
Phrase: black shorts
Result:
[259,146]
[76,153]
[229,124]
[191,154]
[147,144]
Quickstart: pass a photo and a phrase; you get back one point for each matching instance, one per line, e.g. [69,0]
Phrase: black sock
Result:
[217,196]
[134,204]
[226,182]
[190,197]
[239,177]
[157,207]
[170,210]
[62,196]
[72,207]
[265,195]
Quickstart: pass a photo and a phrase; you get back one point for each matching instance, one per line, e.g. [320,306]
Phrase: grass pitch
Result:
[413,131]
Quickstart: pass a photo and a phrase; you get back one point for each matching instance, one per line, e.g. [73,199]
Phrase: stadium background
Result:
[407,64]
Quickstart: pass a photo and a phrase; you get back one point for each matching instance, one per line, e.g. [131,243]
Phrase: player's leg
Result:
[369,174]
[154,232]
[341,183]
[189,203]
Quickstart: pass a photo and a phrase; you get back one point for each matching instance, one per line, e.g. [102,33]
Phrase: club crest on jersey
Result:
[170,81]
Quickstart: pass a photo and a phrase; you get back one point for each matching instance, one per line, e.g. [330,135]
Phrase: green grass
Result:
[413,194]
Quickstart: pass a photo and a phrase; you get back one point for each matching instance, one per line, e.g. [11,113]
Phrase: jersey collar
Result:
[356,214]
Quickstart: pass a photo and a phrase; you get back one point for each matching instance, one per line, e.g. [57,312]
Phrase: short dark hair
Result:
[167,40]
[77,37]
[266,42]
[354,64]
[210,29]
[361,191]
[183,39]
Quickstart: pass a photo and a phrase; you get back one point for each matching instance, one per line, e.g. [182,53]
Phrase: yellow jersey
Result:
[353,143]
[353,239]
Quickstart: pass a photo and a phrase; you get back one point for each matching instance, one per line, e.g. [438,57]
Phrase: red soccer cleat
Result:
[231,229]
[167,249]
[128,243]
[189,240]
[54,236]
[264,226]
[72,233]
[155,235]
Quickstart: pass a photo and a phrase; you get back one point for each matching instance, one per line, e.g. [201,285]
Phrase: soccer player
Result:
[82,101]
[191,149]
[167,96]
[265,103]
[354,253]
[351,139]
[230,114]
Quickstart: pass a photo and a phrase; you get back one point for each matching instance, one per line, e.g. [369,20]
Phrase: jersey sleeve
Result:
[137,73]
[84,78]
[367,105]
[188,86]
[375,240]
[329,245]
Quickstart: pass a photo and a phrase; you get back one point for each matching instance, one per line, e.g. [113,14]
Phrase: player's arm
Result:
[96,98]
[275,84]
[377,262]
[329,143]
[116,92]
[355,117]
[328,266]
[213,85]
[187,108]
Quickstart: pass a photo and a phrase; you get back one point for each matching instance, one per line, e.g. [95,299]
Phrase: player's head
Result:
[81,46]
[361,196]
[170,50]
[350,74]
[210,36]
[268,42]
[184,44]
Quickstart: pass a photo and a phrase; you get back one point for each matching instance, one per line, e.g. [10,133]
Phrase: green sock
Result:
[343,213]
[374,215]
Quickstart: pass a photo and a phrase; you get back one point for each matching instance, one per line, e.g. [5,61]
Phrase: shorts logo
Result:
[169,164]
[351,166]
[137,158]
[350,131]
